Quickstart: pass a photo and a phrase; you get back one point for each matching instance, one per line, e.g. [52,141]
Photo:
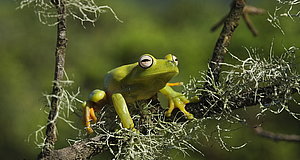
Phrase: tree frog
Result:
[138,81]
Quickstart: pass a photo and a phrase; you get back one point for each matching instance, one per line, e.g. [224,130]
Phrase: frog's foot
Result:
[136,131]
[89,115]
[178,102]
[96,99]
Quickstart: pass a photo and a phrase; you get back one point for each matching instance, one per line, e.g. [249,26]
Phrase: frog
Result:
[130,83]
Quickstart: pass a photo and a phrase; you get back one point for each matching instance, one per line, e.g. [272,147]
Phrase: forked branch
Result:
[231,23]
[248,10]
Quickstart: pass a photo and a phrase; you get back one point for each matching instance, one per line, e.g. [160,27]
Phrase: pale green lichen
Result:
[83,10]
[252,74]
[67,106]
[154,139]
[284,8]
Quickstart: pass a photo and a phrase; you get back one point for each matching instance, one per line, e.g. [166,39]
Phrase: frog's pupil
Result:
[145,60]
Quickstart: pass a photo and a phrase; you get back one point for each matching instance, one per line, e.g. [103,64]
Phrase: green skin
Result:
[133,82]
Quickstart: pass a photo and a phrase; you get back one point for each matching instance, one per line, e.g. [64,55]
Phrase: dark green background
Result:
[181,27]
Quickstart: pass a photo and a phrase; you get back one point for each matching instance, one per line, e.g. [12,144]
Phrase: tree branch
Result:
[251,10]
[84,149]
[246,99]
[60,52]
[250,25]
[276,136]
[230,24]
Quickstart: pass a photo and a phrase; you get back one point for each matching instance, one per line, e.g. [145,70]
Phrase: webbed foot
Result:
[178,102]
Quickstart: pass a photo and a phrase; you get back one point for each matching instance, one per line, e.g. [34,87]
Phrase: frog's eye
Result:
[174,58]
[146,61]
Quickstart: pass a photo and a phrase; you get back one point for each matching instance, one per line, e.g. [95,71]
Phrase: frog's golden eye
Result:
[146,61]
[174,58]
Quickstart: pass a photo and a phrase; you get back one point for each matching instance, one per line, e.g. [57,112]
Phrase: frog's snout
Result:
[171,64]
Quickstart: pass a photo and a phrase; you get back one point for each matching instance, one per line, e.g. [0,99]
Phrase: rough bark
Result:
[60,53]
[230,24]
[84,149]
[245,99]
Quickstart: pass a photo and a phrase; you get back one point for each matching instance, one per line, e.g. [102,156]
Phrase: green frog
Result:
[138,81]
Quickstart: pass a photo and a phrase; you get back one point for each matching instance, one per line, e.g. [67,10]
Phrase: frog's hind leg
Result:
[122,110]
[94,103]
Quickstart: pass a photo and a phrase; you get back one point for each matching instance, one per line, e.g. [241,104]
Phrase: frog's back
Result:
[113,78]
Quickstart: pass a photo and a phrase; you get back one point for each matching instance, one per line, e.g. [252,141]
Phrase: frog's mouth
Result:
[161,75]
[164,73]
[163,78]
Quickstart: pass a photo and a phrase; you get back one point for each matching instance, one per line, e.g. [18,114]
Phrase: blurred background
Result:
[158,27]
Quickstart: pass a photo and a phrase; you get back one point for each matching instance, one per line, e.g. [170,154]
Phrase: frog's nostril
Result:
[170,61]
[173,63]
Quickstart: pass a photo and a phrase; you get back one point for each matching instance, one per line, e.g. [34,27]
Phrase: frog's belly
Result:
[132,97]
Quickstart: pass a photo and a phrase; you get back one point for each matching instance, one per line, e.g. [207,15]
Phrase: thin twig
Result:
[253,10]
[250,25]
[277,136]
[248,10]
[218,24]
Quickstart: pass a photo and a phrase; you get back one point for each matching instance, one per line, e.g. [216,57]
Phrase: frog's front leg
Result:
[122,110]
[95,101]
[176,100]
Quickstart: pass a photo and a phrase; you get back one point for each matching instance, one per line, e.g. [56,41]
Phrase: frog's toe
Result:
[89,115]
[195,99]
[168,114]
[184,100]
[89,130]
[131,125]
[189,116]
[128,124]
[135,130]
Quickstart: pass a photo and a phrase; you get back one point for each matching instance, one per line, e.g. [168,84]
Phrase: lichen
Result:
[83,10]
